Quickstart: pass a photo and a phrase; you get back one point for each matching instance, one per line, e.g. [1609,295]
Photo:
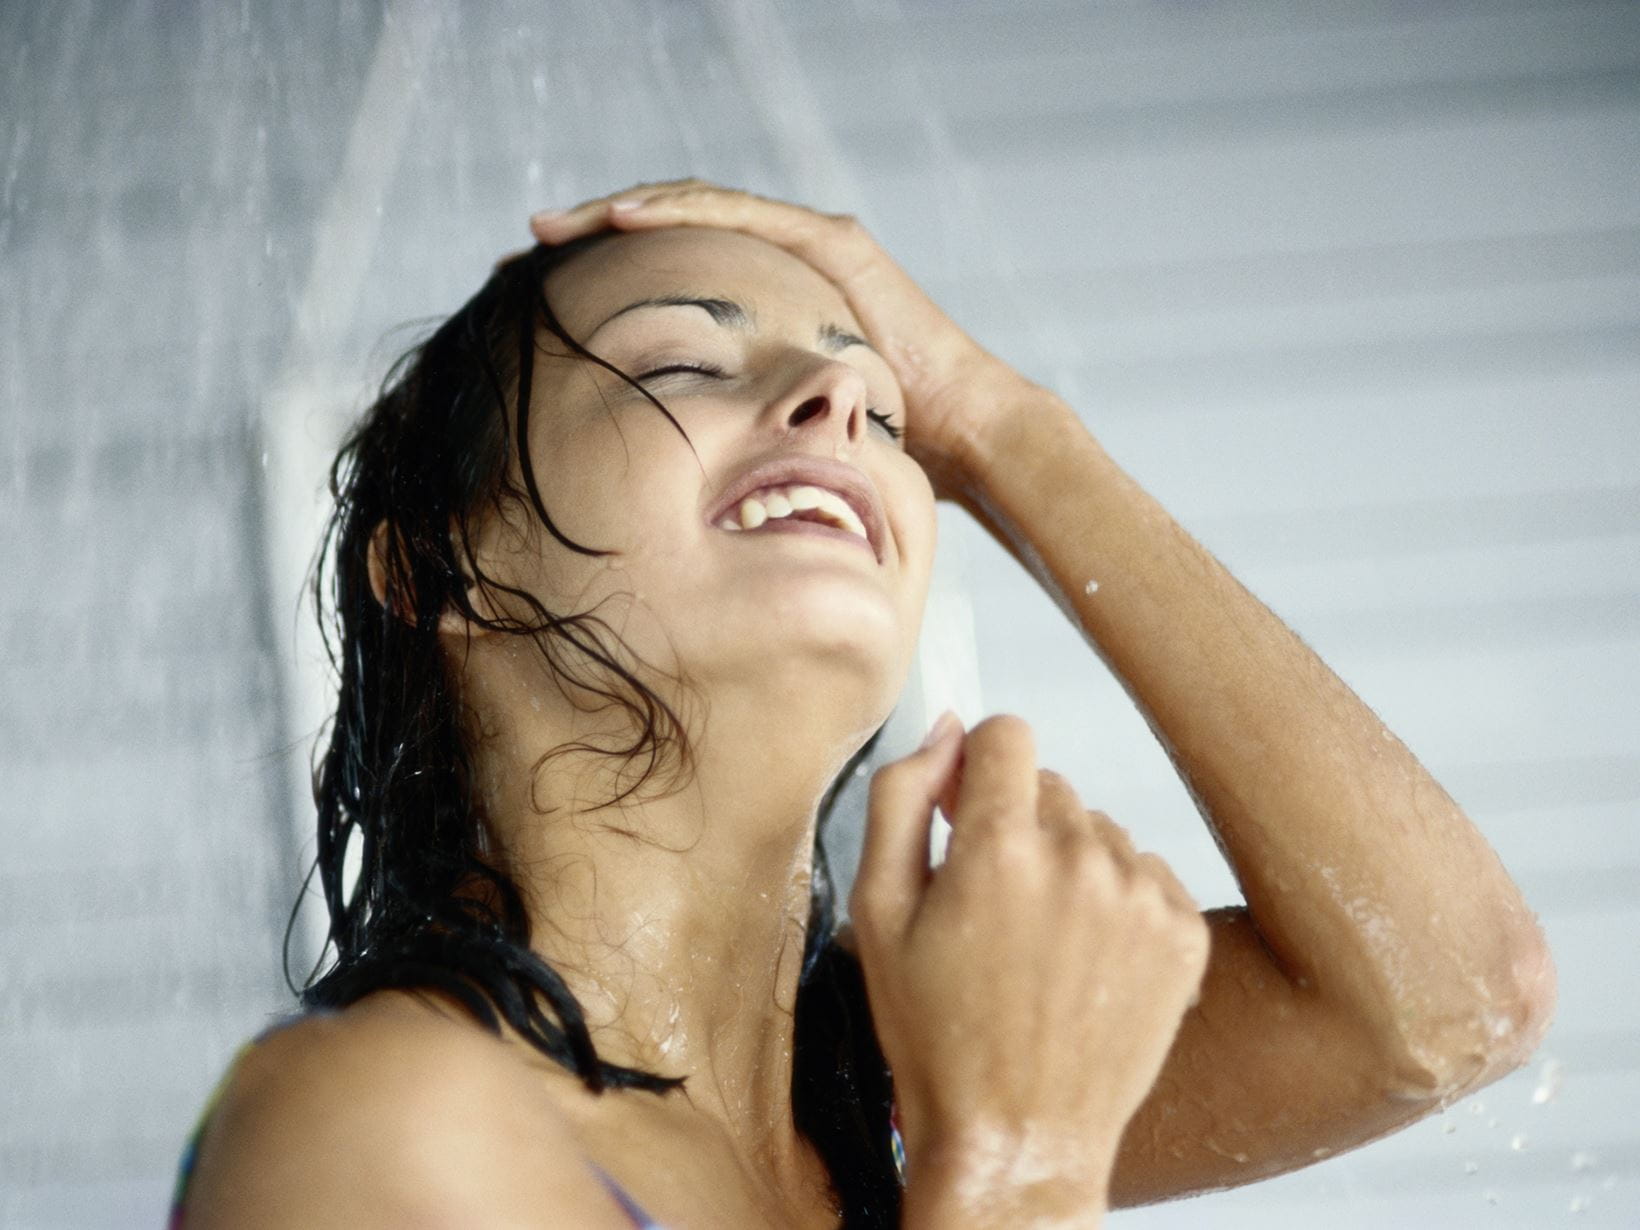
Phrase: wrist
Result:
[977,1180]
[1024,423]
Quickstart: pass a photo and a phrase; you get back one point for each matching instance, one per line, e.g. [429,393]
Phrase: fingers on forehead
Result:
[787,224]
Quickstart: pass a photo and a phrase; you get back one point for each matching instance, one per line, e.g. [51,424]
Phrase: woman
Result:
[629,562]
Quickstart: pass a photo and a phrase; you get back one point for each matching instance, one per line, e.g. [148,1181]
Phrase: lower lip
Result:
[812,529]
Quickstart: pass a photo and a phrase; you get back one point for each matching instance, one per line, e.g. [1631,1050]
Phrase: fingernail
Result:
[940,729]
[627,204]
[546,215]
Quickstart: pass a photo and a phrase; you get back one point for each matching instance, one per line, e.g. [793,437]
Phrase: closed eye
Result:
[675,369]
[712,370]
[886,423]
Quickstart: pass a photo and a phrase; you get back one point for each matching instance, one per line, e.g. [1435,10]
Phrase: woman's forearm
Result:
[1365,880]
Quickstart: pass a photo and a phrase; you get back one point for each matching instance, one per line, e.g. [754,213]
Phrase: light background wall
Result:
[1354,288]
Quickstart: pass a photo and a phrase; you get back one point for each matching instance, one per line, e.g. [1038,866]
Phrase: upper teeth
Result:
[772,503]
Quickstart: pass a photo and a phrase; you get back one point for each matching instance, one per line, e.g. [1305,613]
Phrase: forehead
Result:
[768,281]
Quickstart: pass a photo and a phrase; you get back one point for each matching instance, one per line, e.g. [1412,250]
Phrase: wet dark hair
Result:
[433,906]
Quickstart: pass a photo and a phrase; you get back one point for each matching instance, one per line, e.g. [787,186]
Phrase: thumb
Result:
[894,856]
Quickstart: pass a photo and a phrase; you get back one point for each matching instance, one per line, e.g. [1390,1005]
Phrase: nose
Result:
[830,397]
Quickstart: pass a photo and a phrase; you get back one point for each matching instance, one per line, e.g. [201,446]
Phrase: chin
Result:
[852,664]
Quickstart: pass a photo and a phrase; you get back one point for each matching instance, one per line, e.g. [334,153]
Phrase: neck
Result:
[677,921]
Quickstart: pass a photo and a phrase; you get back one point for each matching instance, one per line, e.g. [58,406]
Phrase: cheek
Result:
[613,480]
[919,534]
[914,495]
[643,517]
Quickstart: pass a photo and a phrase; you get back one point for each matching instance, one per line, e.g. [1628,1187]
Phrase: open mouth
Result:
[800,507]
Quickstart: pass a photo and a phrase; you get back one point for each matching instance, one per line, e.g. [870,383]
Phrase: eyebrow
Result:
[731,315]
[725,312]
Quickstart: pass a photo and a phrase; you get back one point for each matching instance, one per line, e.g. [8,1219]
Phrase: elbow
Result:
[1533,994]
[1492,1028]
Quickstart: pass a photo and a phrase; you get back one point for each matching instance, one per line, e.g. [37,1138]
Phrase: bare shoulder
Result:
[394,1112]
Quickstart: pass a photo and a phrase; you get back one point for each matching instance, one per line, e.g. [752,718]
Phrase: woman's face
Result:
[718,570]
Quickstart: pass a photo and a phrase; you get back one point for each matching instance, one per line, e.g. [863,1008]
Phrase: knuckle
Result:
[1006,731]
[1091,865]
[1014,853]
[1149,899]
[1049,780]
[1153,867]
[1109,828]
[1178,896]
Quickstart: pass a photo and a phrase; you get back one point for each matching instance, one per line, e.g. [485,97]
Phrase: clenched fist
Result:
[1027,991]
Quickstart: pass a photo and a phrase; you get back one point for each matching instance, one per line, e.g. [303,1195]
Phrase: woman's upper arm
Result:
[1265,1076]
[323,1125]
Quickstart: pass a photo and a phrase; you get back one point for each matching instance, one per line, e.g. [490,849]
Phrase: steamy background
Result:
[1354,288]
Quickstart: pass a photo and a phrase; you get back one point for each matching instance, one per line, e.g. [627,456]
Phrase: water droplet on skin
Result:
[1092,587]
